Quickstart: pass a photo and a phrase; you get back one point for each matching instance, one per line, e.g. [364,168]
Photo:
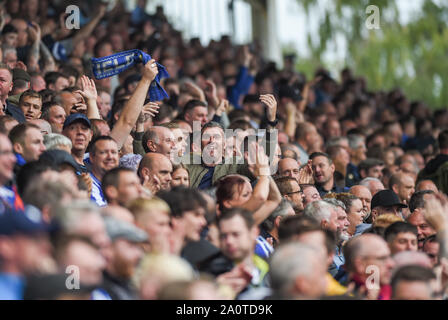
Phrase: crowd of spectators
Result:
[248,182]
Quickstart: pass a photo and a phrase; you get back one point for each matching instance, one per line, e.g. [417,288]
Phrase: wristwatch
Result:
[272,123]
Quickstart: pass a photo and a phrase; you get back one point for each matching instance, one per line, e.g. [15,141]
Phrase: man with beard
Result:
[333,218]
[323,170]
[125,254]
[417,216]
[212,166]
[341,237]
[304,230]
[291,190]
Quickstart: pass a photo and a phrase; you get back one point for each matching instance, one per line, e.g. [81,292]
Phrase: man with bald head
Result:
[159,139]
[426,185]
[158,165]
[365,254]
[289,167]
[403,185]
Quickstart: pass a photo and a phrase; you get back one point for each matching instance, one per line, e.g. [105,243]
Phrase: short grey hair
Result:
[366,181]
[70,216]
[290,261]
[335,142]
[335,202]
[53,140]
[319,210]
[281,211]
[354,140]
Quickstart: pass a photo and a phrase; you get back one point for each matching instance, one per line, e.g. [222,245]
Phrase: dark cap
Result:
[76,117]
[9,28]
[20,74]
[57,157]
[28,222]
[386,198]
[292,92]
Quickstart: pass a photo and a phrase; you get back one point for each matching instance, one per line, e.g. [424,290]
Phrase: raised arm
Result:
[34,55]
[90,95]
[266,196]
[133,107]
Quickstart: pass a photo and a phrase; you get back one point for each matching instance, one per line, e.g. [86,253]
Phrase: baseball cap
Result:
[27,222]
[386,198]
[76,117]
[121,229]
[57,157]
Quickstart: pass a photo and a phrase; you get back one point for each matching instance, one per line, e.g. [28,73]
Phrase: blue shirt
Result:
[263,248]
[207,179]
[97,192]
[338,262]
[11,286]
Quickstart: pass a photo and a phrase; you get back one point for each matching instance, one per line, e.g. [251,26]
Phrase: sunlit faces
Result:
[423,228]
[129,187]
[289,167]
[80,135]
[355,213]
[212,143]
[322,169]
[31,107]
[364,195]
[310,194]
[32,146]
[403,241]
[105,156]
[180,177]
[241,194]
[56,118]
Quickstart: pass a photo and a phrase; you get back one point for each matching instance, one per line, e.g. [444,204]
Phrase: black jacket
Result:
[14,112]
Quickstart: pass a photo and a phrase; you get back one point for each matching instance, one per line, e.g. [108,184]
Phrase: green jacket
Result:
[197,172]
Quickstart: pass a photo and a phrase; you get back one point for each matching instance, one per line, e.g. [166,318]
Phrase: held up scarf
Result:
[114,64]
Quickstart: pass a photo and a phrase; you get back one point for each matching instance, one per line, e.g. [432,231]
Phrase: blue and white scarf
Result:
[114,64]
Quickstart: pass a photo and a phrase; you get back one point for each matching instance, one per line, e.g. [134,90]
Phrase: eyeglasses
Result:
[380,258]
[300,191]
